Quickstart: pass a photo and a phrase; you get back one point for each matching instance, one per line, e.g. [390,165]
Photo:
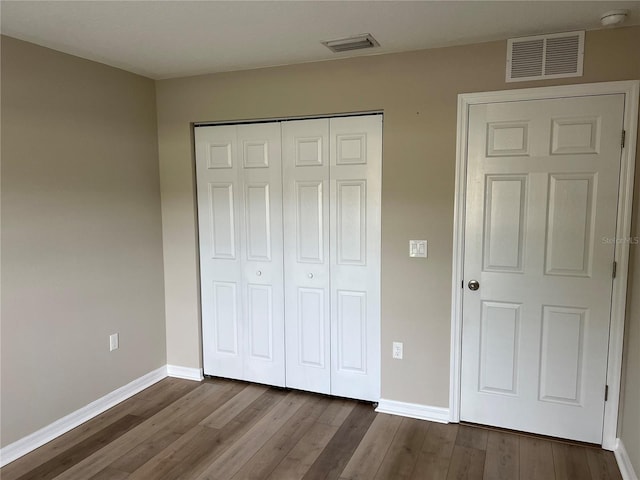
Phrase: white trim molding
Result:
[186,373]
[630,89]
[26,444]
[624,462]
[413,410]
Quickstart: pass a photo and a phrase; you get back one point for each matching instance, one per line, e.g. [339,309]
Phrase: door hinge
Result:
[624,136]
[615,269]
[606,393]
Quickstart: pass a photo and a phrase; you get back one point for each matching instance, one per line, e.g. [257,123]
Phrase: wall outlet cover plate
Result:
[418,248]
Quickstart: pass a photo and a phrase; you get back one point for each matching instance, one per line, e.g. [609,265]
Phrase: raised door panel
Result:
[577,135]
[561,354]
[506,139]
[305,158]
[351,222]
[355,172]
[225,318]
[309,220]
[569,246]
[351,352]
[499,338]
[260,321]
[222,220]
[505,207]
[310,324]
[258,221]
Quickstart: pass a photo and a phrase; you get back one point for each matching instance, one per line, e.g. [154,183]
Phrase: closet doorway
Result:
[289,229]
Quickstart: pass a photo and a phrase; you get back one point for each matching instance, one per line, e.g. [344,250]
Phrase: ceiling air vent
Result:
[358,42]
[545,56]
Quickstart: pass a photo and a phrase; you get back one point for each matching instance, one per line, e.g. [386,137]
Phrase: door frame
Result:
[631,90]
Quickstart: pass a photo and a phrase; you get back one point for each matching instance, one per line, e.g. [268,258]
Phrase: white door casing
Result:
[355,214]
[240,223]
[305,161]
[541,202]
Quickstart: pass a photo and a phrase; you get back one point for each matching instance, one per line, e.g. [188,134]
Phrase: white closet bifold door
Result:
[220,270]
[305,161]
[261,243]
[355,189]
[319,269]
[240,221]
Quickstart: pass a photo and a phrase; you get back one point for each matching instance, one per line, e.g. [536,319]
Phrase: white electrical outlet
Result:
[114,342]
[397,350]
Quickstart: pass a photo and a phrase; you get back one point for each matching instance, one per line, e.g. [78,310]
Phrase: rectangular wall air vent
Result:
[358,42]
[545,56]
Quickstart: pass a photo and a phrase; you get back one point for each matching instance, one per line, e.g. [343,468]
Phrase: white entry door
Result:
[541,203]
[240,221]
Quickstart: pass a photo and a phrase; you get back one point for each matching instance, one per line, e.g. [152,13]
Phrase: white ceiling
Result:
[164,39]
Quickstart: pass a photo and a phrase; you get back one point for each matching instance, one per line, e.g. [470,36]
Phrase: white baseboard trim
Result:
[624,462]
[187,373]
[414,410]
[26,444]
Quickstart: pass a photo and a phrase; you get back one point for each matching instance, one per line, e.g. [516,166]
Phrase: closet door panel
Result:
[356,170]
[305,158]
[261,251]
[221,283]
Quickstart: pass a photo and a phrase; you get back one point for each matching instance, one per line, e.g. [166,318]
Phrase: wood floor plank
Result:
[145,451]
[56,447]
[110,474]
[298,461]
[440,439]
[570,462]
[602,465]
[220,417]
[220,394]
[536,459]
[167,390]
[232,460]
[110,453]
[334,458]
[368,457]
[170,462]
[184,453]
[472,437]
[337,412]
[149,402]
[278,446]
[402,456]
[466,464]
[435,455]
[502,461]
[83,450]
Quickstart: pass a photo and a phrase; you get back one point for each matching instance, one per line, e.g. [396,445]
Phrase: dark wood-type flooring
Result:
[228,430]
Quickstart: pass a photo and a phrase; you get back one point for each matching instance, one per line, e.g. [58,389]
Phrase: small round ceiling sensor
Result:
[613,17]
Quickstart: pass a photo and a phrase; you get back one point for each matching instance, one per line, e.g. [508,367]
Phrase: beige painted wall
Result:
[81,234]
[418,92]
